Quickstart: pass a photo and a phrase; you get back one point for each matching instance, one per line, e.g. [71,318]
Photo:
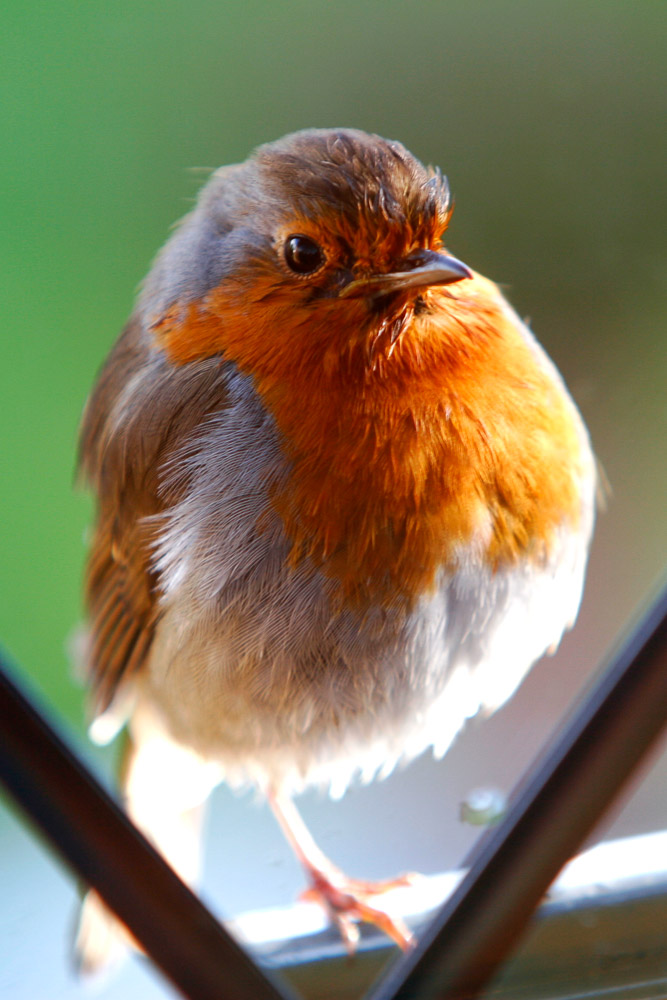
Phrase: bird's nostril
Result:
[413,260]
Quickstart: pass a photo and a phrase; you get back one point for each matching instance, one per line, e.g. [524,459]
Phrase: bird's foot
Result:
[350,901]
[102,941]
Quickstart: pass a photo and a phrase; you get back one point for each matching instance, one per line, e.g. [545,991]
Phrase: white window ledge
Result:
[601,932]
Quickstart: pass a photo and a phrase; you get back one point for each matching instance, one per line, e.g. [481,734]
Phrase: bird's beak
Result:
[419,269]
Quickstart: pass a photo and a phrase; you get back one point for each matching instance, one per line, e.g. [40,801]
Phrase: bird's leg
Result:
[165,789]
[346,900]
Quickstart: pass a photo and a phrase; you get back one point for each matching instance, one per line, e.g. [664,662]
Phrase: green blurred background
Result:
[549,119]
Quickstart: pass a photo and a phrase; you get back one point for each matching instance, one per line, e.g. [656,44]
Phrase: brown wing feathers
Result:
[141,411]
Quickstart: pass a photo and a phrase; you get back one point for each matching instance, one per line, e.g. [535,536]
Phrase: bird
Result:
[344,502]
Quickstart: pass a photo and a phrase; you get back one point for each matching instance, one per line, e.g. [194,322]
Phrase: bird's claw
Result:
[347,902]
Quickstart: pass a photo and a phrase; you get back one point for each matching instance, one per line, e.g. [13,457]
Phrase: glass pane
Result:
[551,130]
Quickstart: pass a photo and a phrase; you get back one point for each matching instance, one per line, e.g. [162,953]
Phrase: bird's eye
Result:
[303,255]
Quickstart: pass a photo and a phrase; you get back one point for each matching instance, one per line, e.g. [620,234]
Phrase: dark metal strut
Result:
[578,777]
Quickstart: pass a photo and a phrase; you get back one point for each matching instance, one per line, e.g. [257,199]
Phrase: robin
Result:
[344,501]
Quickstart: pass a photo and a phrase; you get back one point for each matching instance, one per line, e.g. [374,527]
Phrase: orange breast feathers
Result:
[458,443]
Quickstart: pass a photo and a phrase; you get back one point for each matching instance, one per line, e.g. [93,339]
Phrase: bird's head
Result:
[324,244]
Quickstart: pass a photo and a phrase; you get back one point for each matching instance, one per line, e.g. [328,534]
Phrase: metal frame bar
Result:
[572,786]
[578,778]
[98,841]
